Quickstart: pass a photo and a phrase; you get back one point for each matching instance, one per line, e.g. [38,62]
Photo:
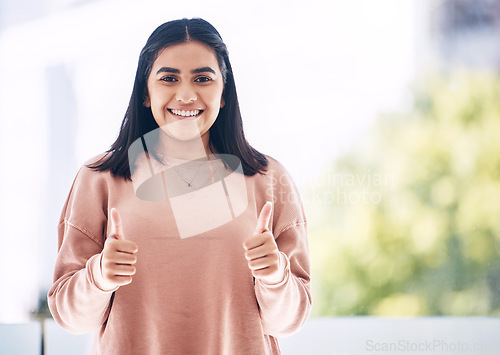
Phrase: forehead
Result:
[189,55]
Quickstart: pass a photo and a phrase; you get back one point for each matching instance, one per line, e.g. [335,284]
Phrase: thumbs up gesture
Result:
[118,255]
[262,252]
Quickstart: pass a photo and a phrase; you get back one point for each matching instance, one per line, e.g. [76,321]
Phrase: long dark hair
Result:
[226,134]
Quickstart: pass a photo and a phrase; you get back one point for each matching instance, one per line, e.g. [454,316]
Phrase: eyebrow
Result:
[177,71]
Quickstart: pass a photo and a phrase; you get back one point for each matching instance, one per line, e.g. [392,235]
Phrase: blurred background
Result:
[386,113]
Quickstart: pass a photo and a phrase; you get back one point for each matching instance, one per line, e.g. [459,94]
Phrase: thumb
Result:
[116,225]
[264,217]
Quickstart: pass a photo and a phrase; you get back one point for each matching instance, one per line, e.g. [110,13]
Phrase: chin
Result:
[182,130]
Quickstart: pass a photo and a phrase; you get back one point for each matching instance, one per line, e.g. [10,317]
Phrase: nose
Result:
[186,93]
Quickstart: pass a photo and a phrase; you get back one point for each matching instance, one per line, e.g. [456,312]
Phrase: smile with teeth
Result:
[181,113]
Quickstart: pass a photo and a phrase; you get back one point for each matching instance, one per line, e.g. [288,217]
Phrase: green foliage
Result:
[410,220]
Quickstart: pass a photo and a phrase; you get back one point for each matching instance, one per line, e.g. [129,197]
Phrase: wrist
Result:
[95,268]
[279,276]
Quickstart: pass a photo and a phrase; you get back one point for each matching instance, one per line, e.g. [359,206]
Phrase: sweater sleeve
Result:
[286,306]
[76,299]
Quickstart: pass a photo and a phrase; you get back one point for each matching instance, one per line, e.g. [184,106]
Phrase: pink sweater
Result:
[191,295]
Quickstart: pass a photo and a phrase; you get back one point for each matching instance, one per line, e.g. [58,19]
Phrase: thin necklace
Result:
[188,182]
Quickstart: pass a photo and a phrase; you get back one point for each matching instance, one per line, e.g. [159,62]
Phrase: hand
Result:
[262,252]
[118,256]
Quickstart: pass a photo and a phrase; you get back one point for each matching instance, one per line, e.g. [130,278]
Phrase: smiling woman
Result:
[210,253]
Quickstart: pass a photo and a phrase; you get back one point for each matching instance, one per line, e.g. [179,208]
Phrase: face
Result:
[185,90]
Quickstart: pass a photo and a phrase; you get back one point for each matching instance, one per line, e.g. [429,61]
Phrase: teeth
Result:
[186,113]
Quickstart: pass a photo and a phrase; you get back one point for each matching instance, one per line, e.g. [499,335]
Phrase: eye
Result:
[203,79]
[169,79]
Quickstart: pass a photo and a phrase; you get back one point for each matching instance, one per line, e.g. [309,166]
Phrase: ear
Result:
[222,103]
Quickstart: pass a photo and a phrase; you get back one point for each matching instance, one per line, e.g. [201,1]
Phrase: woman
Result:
[182,238]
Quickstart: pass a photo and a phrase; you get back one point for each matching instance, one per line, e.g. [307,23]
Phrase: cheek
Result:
[215,99]
[160,95]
